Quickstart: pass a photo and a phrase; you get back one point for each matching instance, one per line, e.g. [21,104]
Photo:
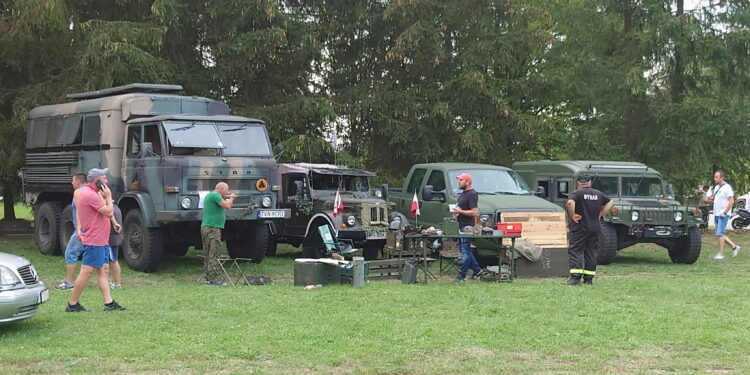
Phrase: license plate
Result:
[375,236]
[44,296]
[271,214]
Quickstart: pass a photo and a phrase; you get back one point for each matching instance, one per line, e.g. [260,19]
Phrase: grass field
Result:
[644,315]
[22,211]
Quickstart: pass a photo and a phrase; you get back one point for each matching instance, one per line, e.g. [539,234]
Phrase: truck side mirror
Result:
[427,193]
[278,150]
[384,191]
[540,192]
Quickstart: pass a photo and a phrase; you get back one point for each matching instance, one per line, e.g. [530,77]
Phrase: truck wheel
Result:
[47,228]
[249,241]
[142,247]
[66,227]
[686,249]
[176,249]
[272,245]
[607,244]
[372,249]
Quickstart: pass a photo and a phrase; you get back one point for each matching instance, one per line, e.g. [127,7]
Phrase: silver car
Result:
[21,290]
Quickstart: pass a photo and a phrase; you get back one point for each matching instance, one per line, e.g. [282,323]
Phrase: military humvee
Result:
[309,191]
[164,153]
[645,209]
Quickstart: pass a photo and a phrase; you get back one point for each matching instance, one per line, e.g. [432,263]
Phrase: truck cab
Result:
[503,197]
[309,191]
[164,152]
[645,208]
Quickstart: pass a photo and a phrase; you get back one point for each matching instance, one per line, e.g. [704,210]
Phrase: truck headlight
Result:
[8,278]
[351,220]
[484,218]
[378,193]
[185,203]
[634,216]
[678,216]
[266,201]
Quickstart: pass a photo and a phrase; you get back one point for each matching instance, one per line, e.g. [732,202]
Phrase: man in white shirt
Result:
[723,197]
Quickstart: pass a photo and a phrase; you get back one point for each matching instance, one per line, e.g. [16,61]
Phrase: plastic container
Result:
[510,229]
[314,273]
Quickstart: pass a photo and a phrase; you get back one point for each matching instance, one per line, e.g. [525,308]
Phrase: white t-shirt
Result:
[721,194]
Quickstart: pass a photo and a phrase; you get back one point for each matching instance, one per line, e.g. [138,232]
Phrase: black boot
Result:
[588,280]
[575,280]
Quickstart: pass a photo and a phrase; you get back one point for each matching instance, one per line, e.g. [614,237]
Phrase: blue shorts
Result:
[95,256]
[721,224]
[73,250]
[113,250]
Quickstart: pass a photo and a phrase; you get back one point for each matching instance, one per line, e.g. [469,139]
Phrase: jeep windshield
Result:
[609,185]
[342,182]
[642,186]
[491,181]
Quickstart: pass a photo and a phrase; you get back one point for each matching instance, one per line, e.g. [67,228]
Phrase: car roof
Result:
[460,166]
[576,166]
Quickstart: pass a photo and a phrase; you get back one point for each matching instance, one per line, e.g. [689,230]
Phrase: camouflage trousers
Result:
[211,251]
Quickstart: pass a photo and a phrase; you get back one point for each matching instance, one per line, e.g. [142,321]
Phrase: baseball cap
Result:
[94,173]
[583,177]
[464,176]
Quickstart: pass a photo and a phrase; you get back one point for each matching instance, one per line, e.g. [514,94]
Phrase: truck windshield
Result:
[608,185]
[184,134]
[491,181]
[642,187]
[244,139]
[342,182]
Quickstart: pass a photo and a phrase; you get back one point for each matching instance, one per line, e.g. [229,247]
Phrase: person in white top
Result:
[723,197]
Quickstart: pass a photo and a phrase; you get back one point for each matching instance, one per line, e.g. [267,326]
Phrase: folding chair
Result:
[449,260]
[230,270]
[332,245]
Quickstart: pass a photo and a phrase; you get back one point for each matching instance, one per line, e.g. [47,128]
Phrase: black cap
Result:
[583,177]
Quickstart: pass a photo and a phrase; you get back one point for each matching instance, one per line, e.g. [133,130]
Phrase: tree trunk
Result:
[678,79]
[8,199]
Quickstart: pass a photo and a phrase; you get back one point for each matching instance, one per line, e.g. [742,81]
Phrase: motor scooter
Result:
[740,219]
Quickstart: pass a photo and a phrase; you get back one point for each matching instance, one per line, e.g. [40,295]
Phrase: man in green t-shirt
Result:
[214,217]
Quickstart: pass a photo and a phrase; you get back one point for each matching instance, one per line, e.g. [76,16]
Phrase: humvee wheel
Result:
[372,249]
[47,228]
[142,247]
[686,249]
[66,227]
[607,244]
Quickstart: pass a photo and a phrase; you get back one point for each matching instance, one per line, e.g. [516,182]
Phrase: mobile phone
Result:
[99,185]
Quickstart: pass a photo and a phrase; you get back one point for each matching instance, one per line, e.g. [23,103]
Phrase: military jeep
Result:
[645,209]
[309,191]
[164,152]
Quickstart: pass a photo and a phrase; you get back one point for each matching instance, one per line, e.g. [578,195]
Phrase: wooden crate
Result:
[545,229]
[385,269]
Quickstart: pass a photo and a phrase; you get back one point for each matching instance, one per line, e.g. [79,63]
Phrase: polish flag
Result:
[415,206]
[338,205]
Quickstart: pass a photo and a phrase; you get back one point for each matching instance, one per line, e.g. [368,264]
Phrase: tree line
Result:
[492,81]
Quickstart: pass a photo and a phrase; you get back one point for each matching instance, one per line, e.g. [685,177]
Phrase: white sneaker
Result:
[736,250]
[719,256]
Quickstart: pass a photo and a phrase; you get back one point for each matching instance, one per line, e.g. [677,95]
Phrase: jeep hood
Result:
[491,203]
[644,202]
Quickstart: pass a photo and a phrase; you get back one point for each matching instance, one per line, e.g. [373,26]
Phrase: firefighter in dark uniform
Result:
[585,208]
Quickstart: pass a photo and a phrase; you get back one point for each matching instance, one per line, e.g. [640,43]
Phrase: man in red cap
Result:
[467,209]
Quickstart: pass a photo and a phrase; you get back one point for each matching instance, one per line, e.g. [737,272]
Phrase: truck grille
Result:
[656,216]
[235,185]
[374,215]
[28,274]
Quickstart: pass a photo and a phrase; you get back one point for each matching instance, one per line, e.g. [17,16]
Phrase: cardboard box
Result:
[553,263]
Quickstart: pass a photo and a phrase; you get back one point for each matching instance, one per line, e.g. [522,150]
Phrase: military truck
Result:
[309,191]
[503,197]
[164,152]
[645,209]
